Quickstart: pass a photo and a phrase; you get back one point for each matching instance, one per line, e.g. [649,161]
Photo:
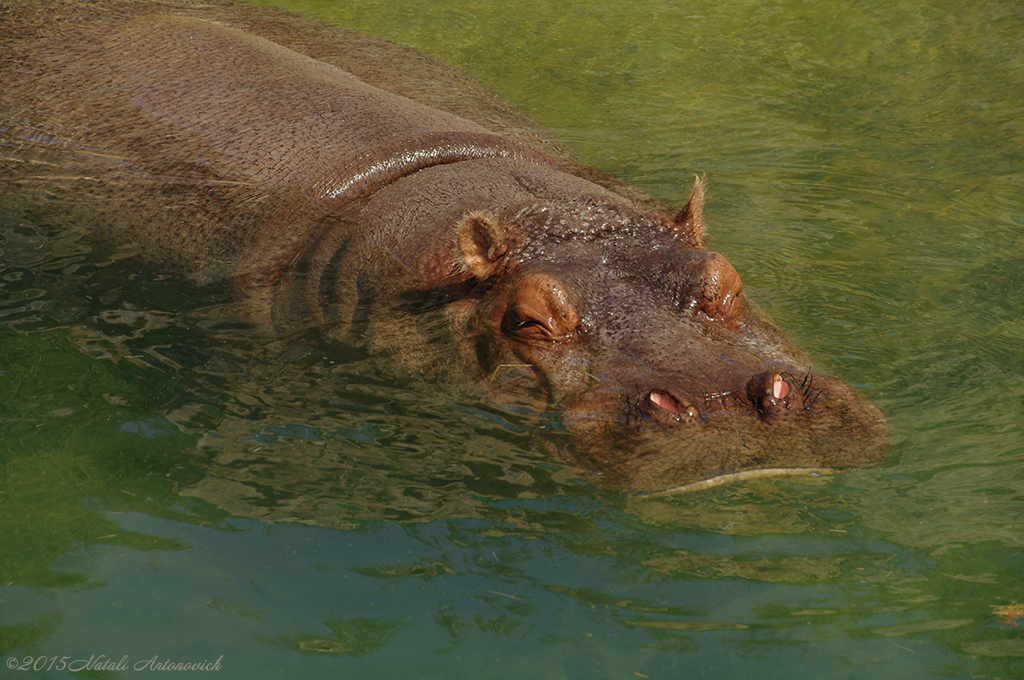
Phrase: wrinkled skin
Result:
[345,183]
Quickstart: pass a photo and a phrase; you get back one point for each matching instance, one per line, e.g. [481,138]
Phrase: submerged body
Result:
[337,181]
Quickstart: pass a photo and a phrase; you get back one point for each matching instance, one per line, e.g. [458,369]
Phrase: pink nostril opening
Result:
[672,405]
[664,401]
[779,387]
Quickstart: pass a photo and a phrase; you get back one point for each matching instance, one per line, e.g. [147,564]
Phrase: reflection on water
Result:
[865,165]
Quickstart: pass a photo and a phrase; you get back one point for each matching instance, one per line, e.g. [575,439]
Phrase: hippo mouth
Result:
[743,476]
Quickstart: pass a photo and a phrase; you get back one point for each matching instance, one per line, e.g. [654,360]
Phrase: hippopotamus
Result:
[337,182]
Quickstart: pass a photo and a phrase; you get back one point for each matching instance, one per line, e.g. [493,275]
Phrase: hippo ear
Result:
[688,220]
[481,243]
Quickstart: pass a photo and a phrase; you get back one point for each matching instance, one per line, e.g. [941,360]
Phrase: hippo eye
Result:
[540,311]
[526,322]
[721,289]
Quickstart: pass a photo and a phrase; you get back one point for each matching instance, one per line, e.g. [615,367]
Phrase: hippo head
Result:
[666,374]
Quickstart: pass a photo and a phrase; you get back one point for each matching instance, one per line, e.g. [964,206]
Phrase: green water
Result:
[174,486]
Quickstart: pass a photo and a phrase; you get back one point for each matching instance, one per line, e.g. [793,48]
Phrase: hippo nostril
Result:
[780,388]
[671,404]
[772,395]
[664,401]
